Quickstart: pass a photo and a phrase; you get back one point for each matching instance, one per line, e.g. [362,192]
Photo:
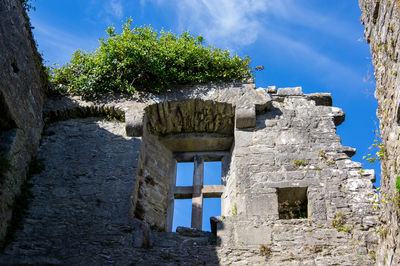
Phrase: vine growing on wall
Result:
[379,152]
[141,58]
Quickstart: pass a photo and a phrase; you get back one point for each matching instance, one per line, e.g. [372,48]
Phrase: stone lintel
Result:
[192,142]
[207,156]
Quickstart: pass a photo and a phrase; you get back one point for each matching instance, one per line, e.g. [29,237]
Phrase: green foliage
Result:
[380,152]
[265,251]
[398,184]
[292,210]
[300,163]
[141,58]
[339,221]
[234,210]
[372,254]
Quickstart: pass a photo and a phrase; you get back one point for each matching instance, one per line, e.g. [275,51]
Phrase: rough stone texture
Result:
[190,116]
[150,196]
[382,31]
[21,100]
[81,200]
[96,175]
[263,160]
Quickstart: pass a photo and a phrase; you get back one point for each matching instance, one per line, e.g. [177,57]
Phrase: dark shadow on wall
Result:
[81,199]
[79,213]
[7,136]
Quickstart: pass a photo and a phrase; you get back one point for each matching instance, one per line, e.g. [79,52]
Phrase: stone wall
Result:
[294,146]
[97,173]
[382,31]
[22,85]
[152,186]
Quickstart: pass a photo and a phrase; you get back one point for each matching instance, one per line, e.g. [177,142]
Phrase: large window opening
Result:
[182,213]
[198,181]
[292,203]
[184,173]
[211,208]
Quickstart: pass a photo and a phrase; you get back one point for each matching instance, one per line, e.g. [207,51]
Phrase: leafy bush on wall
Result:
[141,58]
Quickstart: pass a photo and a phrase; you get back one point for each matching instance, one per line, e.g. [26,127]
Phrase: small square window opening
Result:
[293,203]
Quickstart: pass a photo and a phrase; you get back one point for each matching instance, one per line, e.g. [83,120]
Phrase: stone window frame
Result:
[198,191]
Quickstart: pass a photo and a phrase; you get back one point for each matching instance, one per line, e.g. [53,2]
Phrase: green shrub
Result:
[300,163]
[398,184]
[141,58]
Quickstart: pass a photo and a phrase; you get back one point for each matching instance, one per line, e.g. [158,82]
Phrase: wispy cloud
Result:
[60,43]
[224,22]
[115,8]
[296,12]
[238,23]
[329,68]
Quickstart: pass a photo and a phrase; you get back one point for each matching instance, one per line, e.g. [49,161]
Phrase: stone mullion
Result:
[197,200]
[171,199]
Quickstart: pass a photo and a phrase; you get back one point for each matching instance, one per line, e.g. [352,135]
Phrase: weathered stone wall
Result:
[79,214]
[294,145]
[21,98]
[382,31]
[152,186]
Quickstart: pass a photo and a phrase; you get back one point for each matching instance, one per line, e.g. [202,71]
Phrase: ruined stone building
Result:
[382,31]
[290,194]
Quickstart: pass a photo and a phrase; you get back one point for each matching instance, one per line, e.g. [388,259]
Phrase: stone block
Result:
[320,98]
[294,91]
[262,205]
[317,210]
[245,117]
[338,115]
[253,235]
[134,124]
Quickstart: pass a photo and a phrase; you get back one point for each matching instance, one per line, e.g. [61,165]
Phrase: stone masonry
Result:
[290,195]
[104,196]
[22,88]
[382,31]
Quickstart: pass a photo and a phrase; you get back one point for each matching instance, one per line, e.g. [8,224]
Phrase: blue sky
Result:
[315,44]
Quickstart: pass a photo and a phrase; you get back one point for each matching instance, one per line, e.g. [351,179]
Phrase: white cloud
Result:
[298,13]
[223,22]
[231,23]
[116,8]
